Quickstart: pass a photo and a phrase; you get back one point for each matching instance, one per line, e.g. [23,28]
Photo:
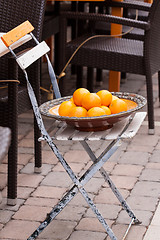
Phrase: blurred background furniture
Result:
[5,136]
[14,100]
[51,27]
[119,54]
[105,27]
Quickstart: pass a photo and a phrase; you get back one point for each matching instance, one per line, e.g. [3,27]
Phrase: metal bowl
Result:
[95,123]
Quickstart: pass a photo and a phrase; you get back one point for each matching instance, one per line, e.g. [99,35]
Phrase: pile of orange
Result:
[86,104]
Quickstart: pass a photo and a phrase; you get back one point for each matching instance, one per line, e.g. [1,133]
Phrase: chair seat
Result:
[135,33]
[100,53]
[104,28]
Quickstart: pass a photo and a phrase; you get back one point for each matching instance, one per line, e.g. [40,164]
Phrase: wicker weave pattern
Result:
[15,99]
[99,59]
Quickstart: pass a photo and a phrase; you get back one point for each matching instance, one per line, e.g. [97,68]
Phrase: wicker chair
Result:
[51,27]
[119,54]
[14,99]
[135,33]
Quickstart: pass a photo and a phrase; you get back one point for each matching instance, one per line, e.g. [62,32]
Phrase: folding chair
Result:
[123,129]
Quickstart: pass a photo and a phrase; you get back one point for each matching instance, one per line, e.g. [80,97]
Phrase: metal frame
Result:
[79,183]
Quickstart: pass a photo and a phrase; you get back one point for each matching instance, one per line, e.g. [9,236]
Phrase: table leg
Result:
[114,77]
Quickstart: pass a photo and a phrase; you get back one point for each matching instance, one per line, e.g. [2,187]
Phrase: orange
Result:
[117,106]
[65,108]
[95,111]
[90,100]
[71,99]
[106,109]
[114,97]
[105,96]
[78,94]
[78,112]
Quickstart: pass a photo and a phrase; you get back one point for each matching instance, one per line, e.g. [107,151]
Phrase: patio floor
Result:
[134,168]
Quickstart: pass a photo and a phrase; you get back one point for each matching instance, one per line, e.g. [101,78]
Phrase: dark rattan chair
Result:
[51,27]
[119,54]
[99,27]
[135,33]
[14,99]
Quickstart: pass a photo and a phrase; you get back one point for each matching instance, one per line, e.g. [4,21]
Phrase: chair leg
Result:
[13,150]
[99,77]
[56,54]
[150,104]
[73,32]
[56,40]
[13,125]
[79,82]
[37,149]
[123,75]
[90,72]
[159,87]
[37,134]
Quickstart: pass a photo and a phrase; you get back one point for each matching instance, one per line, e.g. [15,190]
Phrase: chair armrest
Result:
[10,81]
[139,5]
[106,18]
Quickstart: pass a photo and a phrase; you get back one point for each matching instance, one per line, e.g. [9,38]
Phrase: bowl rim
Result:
[140,100]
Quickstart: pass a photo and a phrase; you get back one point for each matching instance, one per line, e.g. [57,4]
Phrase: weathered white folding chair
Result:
[123,129]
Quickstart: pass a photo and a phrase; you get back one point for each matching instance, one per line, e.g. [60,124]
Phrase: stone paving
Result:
[134,168]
